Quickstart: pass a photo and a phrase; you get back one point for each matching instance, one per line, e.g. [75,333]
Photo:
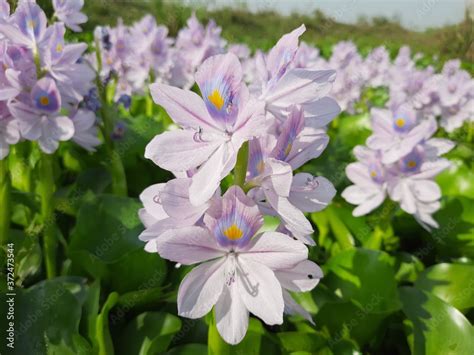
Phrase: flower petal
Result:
[207,179]
[260,291]
[232,317]
[311,194]
[301,278]
[188,245]
[179,150]
[184,107]
[200,289]
[300,86]
[275,250]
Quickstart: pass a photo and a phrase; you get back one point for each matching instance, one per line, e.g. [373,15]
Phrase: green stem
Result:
[5,187]
[116,169]
[20,166]
[148,105]
[240,170]
[46,190]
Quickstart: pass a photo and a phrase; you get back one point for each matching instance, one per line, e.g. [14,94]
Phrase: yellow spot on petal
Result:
[411,164]
[233,232]
[59,48]
[373,173]
[288,149]
[216,99]
[31,24]
[44,100]
[400,122]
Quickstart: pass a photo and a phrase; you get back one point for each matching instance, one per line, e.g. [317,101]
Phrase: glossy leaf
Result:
[453,283]
[438,328]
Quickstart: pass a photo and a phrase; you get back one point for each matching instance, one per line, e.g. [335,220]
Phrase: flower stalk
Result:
[116,169]
[46,190]
[5,187]
[240,170]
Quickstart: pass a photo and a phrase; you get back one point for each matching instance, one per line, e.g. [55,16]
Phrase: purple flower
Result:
[167,206]
[85,130]
[369,176]
[69,12]
[27,26]
[237,271]
[281,86]
[214,125]
[413,186]
[397,133]
[39,116]
[9,130]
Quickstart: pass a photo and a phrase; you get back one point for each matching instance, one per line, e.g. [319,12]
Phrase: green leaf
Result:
[48,316]
[90,311]
[339,229]
[438,328]
[105,244]
[188,349]
[408,267]
[148,271]
[28,255]
[453,283]
[458,180]
[345,320]
[149,333]
[455,236]
[107,227]
[104,340]
[365,277]
[298,341]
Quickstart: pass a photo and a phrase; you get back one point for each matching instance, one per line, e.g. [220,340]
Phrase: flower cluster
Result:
[401,160]
[263,134]
[136,51]
[42,79]
[144,53]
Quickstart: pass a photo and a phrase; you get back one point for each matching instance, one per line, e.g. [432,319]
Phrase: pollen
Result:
[233,232]
[44,100]
[216,99]
[400,122]
[373,173]
[411,164]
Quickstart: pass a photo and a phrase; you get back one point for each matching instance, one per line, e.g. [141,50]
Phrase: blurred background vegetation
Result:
[263,29]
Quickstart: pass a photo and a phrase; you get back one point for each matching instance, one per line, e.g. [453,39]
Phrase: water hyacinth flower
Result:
[281,86]
[199,42]
[167,206]
[237,271]
[408,179]
[413,185]
[39,116]
[85,130]
[397,133]
[69,12]
[27,27]
[271,164]
[214,126]
[4,10]
[369,177]
[9,130]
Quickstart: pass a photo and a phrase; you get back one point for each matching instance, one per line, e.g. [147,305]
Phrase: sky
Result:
[413,14]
